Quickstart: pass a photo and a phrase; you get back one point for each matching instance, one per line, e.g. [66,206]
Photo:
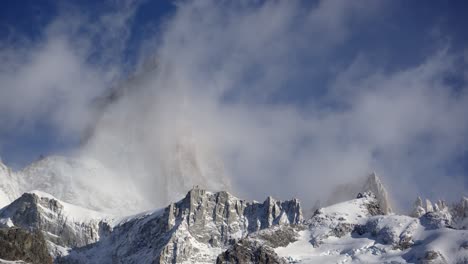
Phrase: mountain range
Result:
[51,213]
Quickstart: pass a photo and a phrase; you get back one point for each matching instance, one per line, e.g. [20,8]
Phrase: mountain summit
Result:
[370,183]
[374,184]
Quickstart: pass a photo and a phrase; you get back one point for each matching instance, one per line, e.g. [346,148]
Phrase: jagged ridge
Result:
[196,229]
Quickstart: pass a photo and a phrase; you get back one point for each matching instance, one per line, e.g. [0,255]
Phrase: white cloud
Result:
[220,67]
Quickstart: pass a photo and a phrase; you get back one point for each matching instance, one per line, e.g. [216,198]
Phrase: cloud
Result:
[54,79]
[252,97]
[219,73]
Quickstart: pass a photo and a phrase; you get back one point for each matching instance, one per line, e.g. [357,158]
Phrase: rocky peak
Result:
[374,184]
[63,224]
[203,219]
[429,207]
[459,211]
[418,208]
[369,183]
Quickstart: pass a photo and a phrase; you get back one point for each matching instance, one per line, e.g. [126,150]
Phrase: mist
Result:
[248,97]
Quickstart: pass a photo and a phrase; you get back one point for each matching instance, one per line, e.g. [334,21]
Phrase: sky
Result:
[292,97]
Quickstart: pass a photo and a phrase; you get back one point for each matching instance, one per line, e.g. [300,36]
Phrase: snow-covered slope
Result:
[351,232]
[371,182]
[80,181]
[9,189]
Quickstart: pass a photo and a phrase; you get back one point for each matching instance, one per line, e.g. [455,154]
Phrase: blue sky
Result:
[402,35]
[336,64]
[20,20]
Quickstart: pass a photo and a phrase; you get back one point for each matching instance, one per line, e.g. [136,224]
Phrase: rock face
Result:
[63,224]
[258,247]
[196,229]
[247,251]
[374,185]
[19,244]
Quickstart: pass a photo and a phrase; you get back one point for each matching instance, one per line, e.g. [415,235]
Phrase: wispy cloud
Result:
[220,89]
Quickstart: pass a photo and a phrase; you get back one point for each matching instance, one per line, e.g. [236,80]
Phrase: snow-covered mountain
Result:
[63,225]
[76,225]
[371,183]
[80,181]
[194,230]
[356,231]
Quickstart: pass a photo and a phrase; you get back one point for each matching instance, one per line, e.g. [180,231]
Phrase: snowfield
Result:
[379,243]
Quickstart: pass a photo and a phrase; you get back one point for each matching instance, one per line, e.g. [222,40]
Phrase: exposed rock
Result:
[247,251]
[370,183]
[19,244]
[375,185]
[373,205]
[397,231]
[418,209]
[231,219]
[435,220]
[183,230]
[34,212]
[277,236]
[433,257]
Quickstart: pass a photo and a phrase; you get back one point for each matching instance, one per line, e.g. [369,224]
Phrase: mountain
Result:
[63,225]
[371,182]
[213,227]
[355,232]
[374,185]
[80,181]
[216,227]
[194,230]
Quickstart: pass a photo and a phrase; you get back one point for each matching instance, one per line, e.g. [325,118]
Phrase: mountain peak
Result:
[375,185]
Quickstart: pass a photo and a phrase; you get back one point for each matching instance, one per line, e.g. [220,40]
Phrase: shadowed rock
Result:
[19,244]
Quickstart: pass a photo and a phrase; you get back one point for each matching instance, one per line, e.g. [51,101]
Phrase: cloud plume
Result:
[253,97]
